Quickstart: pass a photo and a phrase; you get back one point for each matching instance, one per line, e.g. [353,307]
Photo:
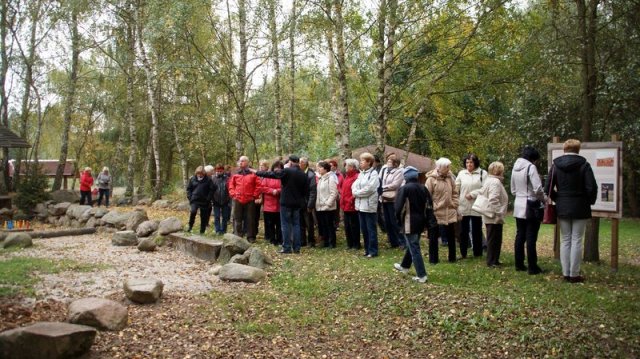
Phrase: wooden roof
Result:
[49,167]
[8,139]
[422,163]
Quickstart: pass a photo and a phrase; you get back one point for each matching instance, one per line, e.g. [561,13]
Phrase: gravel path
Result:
[180,273]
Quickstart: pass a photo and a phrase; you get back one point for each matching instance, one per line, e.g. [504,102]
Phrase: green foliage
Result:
[32,190]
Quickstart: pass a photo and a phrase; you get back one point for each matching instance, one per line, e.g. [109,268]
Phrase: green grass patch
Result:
[19,273]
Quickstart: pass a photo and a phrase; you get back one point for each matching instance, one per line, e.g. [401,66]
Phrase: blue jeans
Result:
[393,230]
[290,223]
[413,255]
[369,232]
[104,193]
[221,218]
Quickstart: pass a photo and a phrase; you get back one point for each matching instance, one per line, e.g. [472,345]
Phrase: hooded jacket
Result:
[445,196]
[365,190]
[574,187]
[467,182]
[414,209]
[523,188]
[347,201]
[327,193]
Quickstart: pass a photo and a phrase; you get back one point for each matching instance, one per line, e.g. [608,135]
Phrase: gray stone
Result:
[144,201]
[235,244]
[169,225]
[59,209]
[3,236]
[75,211]
[19,239]
[102,314]
[53,220]
[161,240]
[91,223]
[257,258]
[215,269]
[147,245]
[116,219]
[124,238]
[47,340]
[196,246]
[135,218]
[143,291]
[41,211]
[64,221]
[183,206]
[239,259]
[64,195]
[124,201]
[146,228]
[99,212]
[233,272]
[161,204]
[75,223]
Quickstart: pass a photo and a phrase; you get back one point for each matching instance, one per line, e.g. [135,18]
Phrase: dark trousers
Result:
[471,224]
[393,230]
[86,196]
[244,217]
[221,216]
[369,232]
[272,229]
[103,192]
[526,233]
[380,218]
[326,227]
[256,223]
[412,254]
[291,233]
[204,215]
[307,223]
[352,229]
[494,243]
[451,243]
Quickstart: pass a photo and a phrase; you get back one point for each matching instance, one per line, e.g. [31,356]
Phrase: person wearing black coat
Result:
[200,192]
[574,189]
[295,190]
[221,200]
[308,215]
[414,211]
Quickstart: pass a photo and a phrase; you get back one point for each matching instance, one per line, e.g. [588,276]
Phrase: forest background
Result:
[154,88]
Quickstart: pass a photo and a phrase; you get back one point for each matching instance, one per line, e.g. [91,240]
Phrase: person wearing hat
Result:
[221,200]
[86,181]
[413,210]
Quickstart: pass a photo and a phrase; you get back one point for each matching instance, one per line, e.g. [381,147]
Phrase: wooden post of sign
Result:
[556,228]
[615,222]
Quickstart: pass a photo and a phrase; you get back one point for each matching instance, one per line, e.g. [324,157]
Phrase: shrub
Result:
[32,190]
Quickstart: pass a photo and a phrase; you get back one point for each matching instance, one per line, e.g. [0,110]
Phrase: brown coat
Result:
[445,196]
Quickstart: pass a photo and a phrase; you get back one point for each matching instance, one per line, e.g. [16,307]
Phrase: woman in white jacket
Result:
[327,193]
[391,180]
[493,214]
[526,185]
[365,191]
[468,180]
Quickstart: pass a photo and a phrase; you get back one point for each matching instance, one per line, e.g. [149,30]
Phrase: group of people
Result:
[295,199]
[103,185]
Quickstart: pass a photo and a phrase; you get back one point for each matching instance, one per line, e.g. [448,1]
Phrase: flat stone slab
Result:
[196,246]
[47,340]
[143,291]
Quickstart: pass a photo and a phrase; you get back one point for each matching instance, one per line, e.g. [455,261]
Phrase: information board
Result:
[605,159]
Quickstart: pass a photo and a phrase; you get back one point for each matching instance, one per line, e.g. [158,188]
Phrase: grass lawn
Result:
[465,310]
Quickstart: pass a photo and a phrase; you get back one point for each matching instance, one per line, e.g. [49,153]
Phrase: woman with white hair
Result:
[441,183]
[104,186]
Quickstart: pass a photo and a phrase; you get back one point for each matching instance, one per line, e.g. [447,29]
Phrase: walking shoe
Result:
[578,279]
[400,268]
[420,279]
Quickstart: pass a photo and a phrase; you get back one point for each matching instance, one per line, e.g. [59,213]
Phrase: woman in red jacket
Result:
[86,181]
[270,189]
[348,205]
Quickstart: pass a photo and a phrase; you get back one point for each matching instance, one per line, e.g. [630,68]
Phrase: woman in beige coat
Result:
[441,183]
[493,214]
[327,193]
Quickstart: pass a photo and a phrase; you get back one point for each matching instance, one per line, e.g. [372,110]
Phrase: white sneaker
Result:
[400,268]
[420,279]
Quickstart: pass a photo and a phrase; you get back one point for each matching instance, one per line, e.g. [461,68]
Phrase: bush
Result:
[31,191]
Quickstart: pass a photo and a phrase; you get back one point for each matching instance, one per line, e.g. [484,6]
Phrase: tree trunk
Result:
[242,75]
[181,154]
[412,132]
[381,125]
[70,99]
[36,142]
[133,135]
[343,97]
[333,89]
[276,80]
[4,106]
[155,140]
[292,79]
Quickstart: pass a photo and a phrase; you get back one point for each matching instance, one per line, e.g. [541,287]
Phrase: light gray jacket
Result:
[365,190]
[525,189]
[498,199]
[104,181]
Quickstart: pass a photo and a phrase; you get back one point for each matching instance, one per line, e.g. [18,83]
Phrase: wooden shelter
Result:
[8,139]
[49,167]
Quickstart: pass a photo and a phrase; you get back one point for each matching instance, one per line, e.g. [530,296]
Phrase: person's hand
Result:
[275,192]
[468,197]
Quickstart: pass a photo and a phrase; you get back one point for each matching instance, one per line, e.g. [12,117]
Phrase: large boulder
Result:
[135,218]
[146,228]
[231,246]
[41,211]
[233,272]
[124,238]
[75,211]
[19,239]
[257,258]
[239,259]
[169,225]
[91,223]
[147,245]
[116,219]
[143,291]
[100,313]
[47,340]
[99,212]
[64,195]
[59,209]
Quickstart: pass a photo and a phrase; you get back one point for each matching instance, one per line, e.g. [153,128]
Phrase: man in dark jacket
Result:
[308,222]
[295,188]
[199,192]
[221,200]
[413,210]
